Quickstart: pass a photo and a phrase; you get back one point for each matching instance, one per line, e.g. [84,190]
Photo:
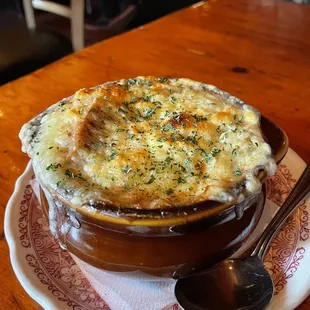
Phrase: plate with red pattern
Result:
[53,279]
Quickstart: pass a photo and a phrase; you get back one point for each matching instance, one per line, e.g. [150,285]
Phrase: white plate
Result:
[51,277]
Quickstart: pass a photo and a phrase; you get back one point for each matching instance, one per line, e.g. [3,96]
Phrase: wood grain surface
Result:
[258,50]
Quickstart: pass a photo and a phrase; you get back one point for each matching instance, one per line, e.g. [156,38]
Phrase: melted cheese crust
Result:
[148,143]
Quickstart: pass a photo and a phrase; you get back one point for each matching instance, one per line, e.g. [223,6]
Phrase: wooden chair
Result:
[24,48]
[75,13]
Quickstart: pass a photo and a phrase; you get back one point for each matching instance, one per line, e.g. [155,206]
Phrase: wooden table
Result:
[258,50]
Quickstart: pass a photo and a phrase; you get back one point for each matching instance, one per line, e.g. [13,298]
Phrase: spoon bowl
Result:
[240,283]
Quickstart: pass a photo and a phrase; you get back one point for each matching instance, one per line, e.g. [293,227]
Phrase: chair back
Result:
[75,13]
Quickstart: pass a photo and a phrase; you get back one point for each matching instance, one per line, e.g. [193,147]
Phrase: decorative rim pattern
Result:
[53,279]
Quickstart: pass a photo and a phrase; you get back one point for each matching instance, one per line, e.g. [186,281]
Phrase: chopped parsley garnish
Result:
[192,139]
[61,103]
[131,81]
[130,136]
[256,144]
[168,159]
[167,127]
[151,180]
[147,98]
[181,180]
[187,161]
[178,118]
[199,118]
[218,129]
[169,191]
[149,112]
[72,175]
[127,186]
[173,99]
[122,110]
[234,152]
[162,79]
[113,155]
[162,139]
[127,169]
[58,183]
[215,151]
[237,172]
[53,167]
[182,168]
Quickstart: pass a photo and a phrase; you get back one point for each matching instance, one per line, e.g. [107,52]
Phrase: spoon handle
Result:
[299,191]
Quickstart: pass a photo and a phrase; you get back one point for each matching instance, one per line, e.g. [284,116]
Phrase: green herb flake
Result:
[199,118]
[53,167]
[127,169]
[181,180]
[215,151]
[61,103]
[169,191]
[187,161]
[151,180]
[167,127]
[147,98]
[58,183]
[113,155]
[149,112]
[192,139]
[168,159]
[173,99]
[72,175]
[234,152]
[237,172]
[131,136]
[122,110]
[161,139]
[162,79]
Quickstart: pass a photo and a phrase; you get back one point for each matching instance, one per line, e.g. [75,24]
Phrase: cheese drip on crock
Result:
[148,143]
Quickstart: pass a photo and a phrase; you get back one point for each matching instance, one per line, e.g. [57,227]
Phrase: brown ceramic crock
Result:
[167,243]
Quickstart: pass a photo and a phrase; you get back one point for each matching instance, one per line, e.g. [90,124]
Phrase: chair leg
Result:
[29,14]
[77,24]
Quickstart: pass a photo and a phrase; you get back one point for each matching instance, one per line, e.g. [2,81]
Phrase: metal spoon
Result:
[240,283]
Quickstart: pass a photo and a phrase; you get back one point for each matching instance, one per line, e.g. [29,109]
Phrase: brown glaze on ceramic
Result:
[172,251]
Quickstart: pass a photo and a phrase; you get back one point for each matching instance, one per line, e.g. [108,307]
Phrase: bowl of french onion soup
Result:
[162,175]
